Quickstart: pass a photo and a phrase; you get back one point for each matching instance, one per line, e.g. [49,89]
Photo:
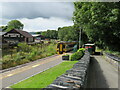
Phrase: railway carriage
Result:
[65,46]
[90,47]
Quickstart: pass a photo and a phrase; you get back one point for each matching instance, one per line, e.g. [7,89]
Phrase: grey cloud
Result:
[14,10]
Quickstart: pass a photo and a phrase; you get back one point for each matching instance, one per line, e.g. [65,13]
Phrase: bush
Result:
[27,53]
[81,49]
[77,55]
[24,47]
[66,55]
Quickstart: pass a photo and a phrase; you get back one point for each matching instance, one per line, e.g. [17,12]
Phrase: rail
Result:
[113,57]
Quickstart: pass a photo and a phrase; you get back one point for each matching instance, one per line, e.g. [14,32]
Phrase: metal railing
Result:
[116,58]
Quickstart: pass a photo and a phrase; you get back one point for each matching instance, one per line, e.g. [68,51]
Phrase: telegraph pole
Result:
[80,37]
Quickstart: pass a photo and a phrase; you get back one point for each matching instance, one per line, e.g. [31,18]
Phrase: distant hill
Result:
[35,32]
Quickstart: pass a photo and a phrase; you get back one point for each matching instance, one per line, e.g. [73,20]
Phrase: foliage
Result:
[71,33]
[23,47]
[52,34]
[81,49]
[66,55]
[67,34]
[76,55]
[45,78]
[26,53]
[14,24]
[3,28]
[100,21]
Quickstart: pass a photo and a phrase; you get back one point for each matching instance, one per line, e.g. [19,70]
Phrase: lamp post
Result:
[80,37]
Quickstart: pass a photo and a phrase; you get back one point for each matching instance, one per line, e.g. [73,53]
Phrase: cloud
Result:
[41,24]
[13,10]
[38,16]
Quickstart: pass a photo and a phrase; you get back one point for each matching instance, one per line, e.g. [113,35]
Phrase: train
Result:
[66,46]
[90,47]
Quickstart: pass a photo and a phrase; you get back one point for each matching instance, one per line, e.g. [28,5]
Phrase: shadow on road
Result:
[96,78]
[98,53]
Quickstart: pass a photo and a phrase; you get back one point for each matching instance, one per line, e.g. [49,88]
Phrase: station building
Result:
[16,36]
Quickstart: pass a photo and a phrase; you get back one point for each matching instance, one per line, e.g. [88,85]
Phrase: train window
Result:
[58,45]
[63,46]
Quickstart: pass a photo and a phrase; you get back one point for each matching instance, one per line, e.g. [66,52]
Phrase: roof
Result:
[35,35]
[40,36]
[90,44]
[24,33]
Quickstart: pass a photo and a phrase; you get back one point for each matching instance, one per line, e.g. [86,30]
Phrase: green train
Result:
[90,47]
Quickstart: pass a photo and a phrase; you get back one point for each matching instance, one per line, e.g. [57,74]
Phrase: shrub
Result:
[77,55]
[24,47]
[66,55]
[81,49]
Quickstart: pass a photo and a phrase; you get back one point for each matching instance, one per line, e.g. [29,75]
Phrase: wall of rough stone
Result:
[75,77]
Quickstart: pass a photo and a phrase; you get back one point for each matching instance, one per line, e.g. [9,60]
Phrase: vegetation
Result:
[77,55]
[67,34]
[25,53]
[100,21]
[81,49]
[13,24]
[66,55]
[45,78]
[52,34]
[113,52]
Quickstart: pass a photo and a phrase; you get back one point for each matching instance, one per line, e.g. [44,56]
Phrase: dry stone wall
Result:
[75,77]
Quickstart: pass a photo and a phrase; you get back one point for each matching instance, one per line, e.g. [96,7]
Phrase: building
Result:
[15,36]
[38,37]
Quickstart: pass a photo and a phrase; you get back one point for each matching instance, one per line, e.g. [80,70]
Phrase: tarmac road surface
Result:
[11,77]
[102,74]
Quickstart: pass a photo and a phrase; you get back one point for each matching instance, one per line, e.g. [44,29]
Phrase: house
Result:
[15,36]
[38,37]
[1,33]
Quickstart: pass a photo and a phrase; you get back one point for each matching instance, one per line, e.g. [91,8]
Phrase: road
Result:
[102,74]
[11,77]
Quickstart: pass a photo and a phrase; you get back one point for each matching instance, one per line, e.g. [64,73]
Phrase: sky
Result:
[38,16]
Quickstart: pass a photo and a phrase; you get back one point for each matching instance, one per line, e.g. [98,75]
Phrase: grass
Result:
[113,52]
[45,78]
[117,53]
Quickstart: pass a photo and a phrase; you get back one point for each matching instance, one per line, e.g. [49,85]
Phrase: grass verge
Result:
[45,78]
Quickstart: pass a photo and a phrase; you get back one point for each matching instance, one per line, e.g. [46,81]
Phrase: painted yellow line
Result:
[51,59]
[36,65]
[9,75]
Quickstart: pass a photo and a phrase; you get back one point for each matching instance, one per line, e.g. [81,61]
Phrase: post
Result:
[80,38]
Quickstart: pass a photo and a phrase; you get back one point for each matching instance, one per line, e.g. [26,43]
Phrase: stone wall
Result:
[75,77]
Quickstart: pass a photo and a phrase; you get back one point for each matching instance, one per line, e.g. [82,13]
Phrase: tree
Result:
[3,28]
[52,34]
[71,33]
[14,24]
[100,21]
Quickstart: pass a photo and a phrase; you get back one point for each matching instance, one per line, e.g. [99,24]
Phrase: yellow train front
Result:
[65,46]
